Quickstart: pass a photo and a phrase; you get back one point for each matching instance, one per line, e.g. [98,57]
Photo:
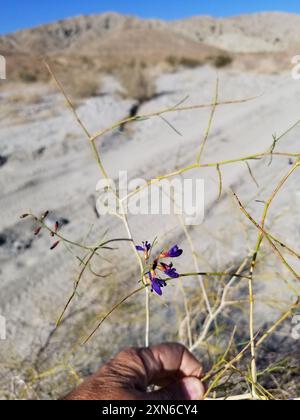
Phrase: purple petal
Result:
[156,287]
[161,282]
[172,273]
[175,252]
[147,246]
[139,248]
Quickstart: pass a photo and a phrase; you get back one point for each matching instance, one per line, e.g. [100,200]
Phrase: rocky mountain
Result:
[262,42]
[247,33]
[256,32]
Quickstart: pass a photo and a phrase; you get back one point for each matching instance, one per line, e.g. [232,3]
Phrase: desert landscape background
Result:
[114,66]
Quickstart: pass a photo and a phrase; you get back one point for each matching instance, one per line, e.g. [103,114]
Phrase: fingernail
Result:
[194,388]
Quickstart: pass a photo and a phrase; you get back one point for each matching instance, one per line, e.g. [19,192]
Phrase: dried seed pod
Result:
[24,216]
[56,226]
[45,215]
[37,230]
[54,245]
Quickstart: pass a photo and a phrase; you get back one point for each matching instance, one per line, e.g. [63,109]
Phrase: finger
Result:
[129,374]
[160,365]
[186,389]
[168,362]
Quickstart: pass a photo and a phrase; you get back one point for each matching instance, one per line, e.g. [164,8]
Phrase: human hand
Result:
[126,377]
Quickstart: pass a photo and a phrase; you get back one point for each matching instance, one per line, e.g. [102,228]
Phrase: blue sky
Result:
[19,14]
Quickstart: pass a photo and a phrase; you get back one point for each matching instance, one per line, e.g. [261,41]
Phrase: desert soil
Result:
[47,164]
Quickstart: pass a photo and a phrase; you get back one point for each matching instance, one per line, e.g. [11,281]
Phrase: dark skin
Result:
[127,377]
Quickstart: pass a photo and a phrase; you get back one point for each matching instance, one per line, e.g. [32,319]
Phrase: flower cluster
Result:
[41,225]
[169,270]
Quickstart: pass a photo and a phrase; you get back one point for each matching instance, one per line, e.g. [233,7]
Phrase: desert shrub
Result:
[211,321]
[137,82]
[27,76]
[83,85]
[222,61]
[172,60]
[28,99]
[188,62]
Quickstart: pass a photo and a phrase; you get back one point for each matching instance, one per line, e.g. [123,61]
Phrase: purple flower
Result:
[145,248]
[157,284]
[169,270]
[174,252]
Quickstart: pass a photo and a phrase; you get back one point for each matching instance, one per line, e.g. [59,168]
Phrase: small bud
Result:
[37,230]
[54,245]
[24,216]
[56,226]
[45,215]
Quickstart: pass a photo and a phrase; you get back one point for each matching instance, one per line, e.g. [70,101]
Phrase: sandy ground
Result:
[50,167]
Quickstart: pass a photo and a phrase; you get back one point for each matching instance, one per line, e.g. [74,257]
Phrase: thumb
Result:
[185,389]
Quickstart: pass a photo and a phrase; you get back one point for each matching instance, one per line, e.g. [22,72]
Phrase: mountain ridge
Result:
[268,31]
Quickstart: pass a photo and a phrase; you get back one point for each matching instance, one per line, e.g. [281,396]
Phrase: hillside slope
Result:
[247,33]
